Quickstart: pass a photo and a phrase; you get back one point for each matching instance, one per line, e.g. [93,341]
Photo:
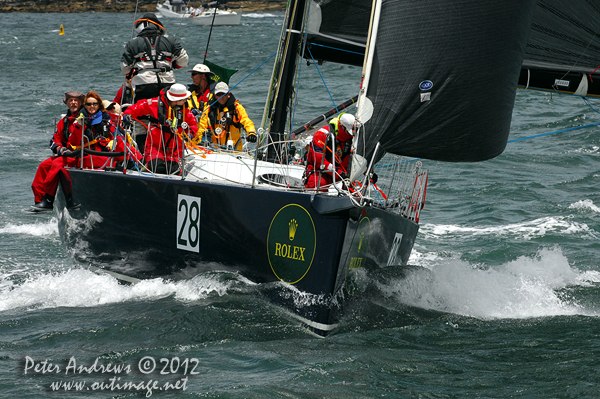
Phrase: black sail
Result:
[471,51]
[563,51]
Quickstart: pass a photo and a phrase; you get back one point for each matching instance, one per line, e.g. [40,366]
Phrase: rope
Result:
[321,75]
[555,132]
[337,49]
[589,104]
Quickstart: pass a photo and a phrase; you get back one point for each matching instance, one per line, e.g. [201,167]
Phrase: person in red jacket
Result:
[338,134]
[92,129]
[58,145]
[171,122]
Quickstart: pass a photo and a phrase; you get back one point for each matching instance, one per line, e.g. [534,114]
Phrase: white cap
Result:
[116,108]
[201,68]
[221,87]
[178,92]
[347,120]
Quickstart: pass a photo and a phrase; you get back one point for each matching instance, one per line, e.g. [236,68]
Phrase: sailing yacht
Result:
[438,82]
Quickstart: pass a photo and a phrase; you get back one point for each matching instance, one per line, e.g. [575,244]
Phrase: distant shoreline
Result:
[74,6]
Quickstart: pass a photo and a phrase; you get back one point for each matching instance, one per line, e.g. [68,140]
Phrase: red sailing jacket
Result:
[61,135]
[162,142]
[320,152]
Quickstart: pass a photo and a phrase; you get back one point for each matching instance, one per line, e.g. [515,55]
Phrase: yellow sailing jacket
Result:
[226,124]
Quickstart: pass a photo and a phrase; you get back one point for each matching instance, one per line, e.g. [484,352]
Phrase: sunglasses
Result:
[91,104]
[197,73]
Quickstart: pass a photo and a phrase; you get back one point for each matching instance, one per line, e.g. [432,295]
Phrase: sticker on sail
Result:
[561,82]
[426,85]
[425,97]
[291,243]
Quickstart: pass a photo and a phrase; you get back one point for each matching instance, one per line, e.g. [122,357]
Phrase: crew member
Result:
[152,55]
[225,119]
[338,134]
[58,145]
[94,130]
[171,122]
[200,88]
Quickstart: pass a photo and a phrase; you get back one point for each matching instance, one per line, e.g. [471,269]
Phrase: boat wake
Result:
[538,286]
[526,230]
[259,15]
[84,288]
[39,229]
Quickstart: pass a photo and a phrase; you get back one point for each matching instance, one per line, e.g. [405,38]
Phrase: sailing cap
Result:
[111,106]
[347,120]
[221,88]
[201,68]
[73,94]
[178,92]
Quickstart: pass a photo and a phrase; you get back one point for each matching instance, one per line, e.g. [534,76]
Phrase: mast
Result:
[284,73]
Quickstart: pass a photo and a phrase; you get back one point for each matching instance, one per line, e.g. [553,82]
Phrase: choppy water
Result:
[504,301]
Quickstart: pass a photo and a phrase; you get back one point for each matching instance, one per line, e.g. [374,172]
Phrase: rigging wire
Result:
[321,75]
[298,73]
[210,31]
[187,7]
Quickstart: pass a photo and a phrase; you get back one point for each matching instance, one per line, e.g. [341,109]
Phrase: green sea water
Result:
[502,301]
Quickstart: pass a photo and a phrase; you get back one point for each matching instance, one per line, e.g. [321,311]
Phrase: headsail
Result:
[443,77]
[563,51]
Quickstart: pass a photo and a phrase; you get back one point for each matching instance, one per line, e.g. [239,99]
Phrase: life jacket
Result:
[160,62]
[229,118]
[69,118]
[344,146]
[99,134]
[167,119]
[195,100]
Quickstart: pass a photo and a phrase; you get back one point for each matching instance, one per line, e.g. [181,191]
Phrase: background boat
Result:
[216,13]
[222,17]
[507,256]
[173,9]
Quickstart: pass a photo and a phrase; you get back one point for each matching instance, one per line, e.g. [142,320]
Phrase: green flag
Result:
[221,74]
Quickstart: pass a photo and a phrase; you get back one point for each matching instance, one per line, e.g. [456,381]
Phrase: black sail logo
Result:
[291,243]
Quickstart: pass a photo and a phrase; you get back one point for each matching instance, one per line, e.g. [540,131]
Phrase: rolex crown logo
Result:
[293,228]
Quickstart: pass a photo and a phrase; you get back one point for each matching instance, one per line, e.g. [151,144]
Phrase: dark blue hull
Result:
[144,227]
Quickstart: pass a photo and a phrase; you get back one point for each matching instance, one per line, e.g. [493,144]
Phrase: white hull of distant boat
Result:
[172,10]
[223,17]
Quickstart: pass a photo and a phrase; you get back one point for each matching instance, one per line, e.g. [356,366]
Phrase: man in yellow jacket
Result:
[224,120]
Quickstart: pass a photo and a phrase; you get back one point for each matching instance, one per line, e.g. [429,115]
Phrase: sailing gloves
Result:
[197,114]
[252,137]
[58,149]
[126,121]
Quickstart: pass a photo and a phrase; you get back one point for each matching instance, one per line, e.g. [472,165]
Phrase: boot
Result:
[46,205]
[71,204]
